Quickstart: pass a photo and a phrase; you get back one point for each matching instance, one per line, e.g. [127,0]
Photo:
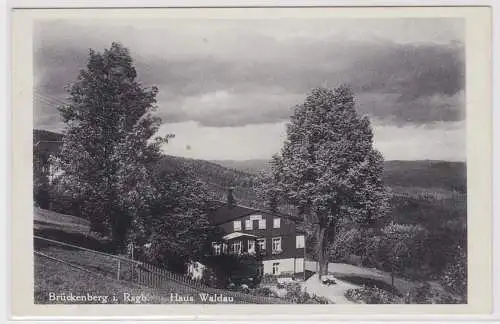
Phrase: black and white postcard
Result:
[251,162]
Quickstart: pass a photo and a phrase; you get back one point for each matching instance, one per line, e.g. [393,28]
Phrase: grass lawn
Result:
[46,219]
[58,278]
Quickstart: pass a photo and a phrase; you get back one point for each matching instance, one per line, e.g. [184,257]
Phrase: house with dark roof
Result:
[273,236]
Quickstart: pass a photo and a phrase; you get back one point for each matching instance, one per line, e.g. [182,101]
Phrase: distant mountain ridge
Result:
[445,175]
[402,176]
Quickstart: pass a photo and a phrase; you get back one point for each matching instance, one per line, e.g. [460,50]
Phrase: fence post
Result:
[154,276]
[118,272]
[150,275]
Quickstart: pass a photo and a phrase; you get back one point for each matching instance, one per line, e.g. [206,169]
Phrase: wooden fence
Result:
[117,267]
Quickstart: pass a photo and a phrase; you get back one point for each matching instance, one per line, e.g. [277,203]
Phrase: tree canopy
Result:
[328,167]
[107,142]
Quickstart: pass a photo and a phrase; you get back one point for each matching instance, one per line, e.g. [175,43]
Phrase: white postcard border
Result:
[479,175]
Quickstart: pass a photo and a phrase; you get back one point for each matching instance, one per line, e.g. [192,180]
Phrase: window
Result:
[236,247]
[261,243]
[276,223]
[276,245]
[237,225]
[224,248]
[276,268]
[217,248]
[251,246]
[300,242]
[249,224]
[262,224]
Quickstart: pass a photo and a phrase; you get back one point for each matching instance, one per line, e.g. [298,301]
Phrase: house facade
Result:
[273,236]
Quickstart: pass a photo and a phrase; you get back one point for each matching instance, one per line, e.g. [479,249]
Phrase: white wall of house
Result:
[284,265]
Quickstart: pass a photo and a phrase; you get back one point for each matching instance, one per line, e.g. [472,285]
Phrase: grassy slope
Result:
[55,277]
[52,276]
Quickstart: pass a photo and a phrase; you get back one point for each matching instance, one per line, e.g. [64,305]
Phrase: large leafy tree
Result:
[328,167]
[108,142]
[177,228]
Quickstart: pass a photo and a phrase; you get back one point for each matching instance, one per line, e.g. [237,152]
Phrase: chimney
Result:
[230,198]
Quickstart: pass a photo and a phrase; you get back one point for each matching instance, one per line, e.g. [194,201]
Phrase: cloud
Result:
[419,110]
[235,73]
[226,108]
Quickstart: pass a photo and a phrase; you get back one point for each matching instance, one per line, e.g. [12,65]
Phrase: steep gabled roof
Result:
[225,213]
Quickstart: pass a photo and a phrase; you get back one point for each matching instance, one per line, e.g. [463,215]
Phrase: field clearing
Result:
[46,219]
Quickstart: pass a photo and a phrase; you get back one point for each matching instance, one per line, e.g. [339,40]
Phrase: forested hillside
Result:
[439,175]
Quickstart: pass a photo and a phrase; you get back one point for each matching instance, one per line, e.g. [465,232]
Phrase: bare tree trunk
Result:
[392,280]
[321,251]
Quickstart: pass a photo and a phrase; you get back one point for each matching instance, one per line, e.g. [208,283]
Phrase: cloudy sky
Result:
[227,87]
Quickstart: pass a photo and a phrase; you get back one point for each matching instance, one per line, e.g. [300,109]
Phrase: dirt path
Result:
[344,269]
[334,292]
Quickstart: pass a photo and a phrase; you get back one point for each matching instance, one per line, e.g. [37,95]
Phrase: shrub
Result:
[297,296]
[320,300]
[209,277]
[372,295]
[454,277]
[369,282]
[263,291]
[422,294]
[269,279]
[425,294]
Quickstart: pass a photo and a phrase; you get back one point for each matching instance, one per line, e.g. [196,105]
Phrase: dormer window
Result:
[237,225]
[276,222]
